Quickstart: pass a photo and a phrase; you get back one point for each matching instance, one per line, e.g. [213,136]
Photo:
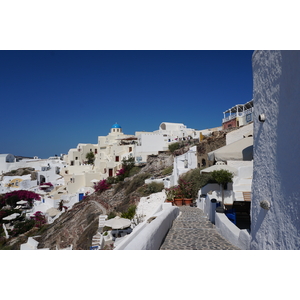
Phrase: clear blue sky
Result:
[53,100]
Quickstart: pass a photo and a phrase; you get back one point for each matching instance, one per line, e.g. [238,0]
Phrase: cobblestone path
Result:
[193,231]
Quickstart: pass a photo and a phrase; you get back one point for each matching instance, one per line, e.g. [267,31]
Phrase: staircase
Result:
[247,196]
[96,242]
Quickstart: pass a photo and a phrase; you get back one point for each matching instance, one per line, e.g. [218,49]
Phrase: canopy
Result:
[11,217]
[52,211]
[118,223]
[22,202]
[220,167]
[239,150]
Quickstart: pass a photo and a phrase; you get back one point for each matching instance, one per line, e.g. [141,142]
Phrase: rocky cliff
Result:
[78,225]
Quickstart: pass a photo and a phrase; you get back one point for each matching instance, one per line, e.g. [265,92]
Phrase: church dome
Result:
[116,126]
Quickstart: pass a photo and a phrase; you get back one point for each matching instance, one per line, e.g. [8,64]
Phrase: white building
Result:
[109,153]
[275,212]
[150,143]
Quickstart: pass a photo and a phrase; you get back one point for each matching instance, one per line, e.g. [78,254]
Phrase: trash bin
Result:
[212,213]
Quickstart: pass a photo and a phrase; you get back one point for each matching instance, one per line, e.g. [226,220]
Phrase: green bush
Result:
[151,188]
[111,215]
[174,146]
[198,180]
[129,214]
[167,171]
[136,182]
[134,171]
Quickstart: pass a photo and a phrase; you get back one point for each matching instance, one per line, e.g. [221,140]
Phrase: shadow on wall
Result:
[260,218]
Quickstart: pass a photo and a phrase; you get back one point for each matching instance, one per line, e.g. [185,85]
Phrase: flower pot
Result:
[188,201]
[178,201]
[169,201]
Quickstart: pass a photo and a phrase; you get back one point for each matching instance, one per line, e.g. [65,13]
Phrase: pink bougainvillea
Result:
[23,195]
[102,186]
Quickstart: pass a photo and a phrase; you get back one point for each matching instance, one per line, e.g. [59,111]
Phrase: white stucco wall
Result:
[276,172]
[238,134]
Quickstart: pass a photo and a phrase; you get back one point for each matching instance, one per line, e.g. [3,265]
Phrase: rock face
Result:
[157,163]
[76,227]
[214,142]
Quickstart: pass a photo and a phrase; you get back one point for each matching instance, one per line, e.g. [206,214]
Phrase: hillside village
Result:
[70,202]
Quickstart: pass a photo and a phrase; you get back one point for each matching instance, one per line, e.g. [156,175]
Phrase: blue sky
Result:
[53,100]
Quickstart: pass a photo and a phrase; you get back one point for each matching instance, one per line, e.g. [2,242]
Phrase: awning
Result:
[239,150]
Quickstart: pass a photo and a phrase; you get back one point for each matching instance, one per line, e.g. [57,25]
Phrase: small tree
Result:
[222,177]
[90,157]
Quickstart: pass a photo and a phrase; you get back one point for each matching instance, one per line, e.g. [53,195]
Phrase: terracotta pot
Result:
[188,201]
[178,201]
[169,201]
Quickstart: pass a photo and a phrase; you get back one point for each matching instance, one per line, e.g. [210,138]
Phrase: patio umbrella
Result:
[52,211]
[239,150]
[22,202]
[118,223]
[11,217]
[219,167]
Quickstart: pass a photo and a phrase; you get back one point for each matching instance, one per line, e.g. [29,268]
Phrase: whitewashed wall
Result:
[238,134]
[276,171]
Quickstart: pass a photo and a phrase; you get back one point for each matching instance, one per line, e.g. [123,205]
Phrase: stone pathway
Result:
[193,231]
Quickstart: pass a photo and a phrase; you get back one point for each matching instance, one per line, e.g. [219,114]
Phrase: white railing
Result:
[240,114]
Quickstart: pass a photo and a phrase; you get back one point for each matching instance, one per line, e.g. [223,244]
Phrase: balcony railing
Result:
[239,114]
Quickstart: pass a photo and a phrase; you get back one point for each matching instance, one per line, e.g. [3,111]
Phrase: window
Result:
[96,151]
[130,149]
[117,158]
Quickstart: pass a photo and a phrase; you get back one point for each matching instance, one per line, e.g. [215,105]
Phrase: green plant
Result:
[136,182]
[90,156]
[167,171]
[170,193]
[151,188]
[197,180]
[186,188]
[111,215]
[222,177]
[174,146]
[129,214]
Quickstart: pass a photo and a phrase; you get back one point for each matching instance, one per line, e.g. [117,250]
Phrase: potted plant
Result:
[187,191]
[170,193]
[178,197]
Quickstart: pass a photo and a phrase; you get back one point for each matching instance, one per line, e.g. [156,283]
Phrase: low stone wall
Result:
[150,235]
[234,235]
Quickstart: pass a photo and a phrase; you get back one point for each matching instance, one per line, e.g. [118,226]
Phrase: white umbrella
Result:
[22,202]
[219,167]
[52,212]
[11,217]
[44,186]
[118,223]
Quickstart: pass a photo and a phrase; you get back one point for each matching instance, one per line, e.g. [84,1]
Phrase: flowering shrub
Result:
[13,197]
[102,186]
[186,188]
[170,193]
[120,172]
[39,219]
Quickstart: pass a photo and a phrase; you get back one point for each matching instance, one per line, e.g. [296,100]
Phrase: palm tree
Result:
[222,177]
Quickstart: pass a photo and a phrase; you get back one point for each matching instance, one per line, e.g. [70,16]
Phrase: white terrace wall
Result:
[238,134]
[276,171]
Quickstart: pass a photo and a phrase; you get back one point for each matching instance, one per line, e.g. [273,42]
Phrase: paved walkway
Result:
[193,231]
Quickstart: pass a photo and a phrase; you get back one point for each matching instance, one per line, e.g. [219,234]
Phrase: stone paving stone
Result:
[193,231]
